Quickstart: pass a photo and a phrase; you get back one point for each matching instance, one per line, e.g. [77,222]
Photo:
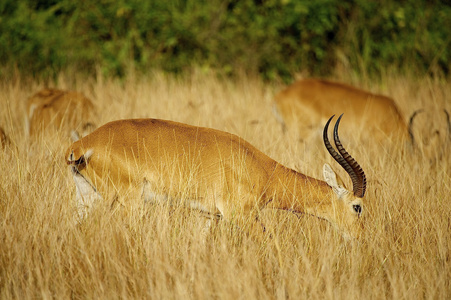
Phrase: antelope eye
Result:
[357,208]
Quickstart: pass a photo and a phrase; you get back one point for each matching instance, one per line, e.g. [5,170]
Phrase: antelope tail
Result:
[82,159]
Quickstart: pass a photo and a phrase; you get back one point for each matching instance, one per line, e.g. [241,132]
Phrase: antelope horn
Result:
[345,160]
[359,182]
[415,113]
[448,121]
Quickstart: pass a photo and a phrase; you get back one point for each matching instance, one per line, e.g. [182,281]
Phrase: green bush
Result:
[399,34]
[275,38]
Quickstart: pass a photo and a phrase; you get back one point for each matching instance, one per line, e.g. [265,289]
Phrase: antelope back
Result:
[174,158]
[307,103]
[58,110]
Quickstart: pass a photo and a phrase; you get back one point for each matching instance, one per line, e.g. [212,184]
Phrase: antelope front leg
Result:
[86,195]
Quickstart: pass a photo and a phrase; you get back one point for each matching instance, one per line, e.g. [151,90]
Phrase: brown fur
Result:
[309,102]
[58,110]
[216,170]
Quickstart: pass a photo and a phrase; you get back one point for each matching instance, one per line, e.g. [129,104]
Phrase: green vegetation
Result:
[274,38]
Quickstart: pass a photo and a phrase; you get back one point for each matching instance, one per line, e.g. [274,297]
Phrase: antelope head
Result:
[347,208]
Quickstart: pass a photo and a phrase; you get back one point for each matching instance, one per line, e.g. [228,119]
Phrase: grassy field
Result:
[151,251]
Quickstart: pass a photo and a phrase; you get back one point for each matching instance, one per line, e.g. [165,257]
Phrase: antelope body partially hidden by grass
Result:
[309,102]
[58,110]
[214,171]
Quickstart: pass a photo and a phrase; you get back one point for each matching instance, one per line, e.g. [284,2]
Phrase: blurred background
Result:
[274,39]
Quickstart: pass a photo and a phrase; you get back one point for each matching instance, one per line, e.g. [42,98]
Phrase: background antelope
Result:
[215,171]
[432,132]
[306,103]
[309,102]
[57,110]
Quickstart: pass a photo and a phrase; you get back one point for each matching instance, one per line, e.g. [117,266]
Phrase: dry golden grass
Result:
[152,251]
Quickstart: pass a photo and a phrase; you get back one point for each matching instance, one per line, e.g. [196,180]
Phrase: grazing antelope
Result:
[52,109]
[309,102]
[432,131]
[216,172]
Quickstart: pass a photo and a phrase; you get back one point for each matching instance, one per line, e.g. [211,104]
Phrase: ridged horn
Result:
[345,160]
[412,117]
[359,182]
[448,121]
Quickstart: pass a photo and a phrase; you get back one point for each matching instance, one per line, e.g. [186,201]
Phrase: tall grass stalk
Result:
[152,251]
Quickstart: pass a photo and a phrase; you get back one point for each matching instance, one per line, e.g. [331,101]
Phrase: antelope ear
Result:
[334,181]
